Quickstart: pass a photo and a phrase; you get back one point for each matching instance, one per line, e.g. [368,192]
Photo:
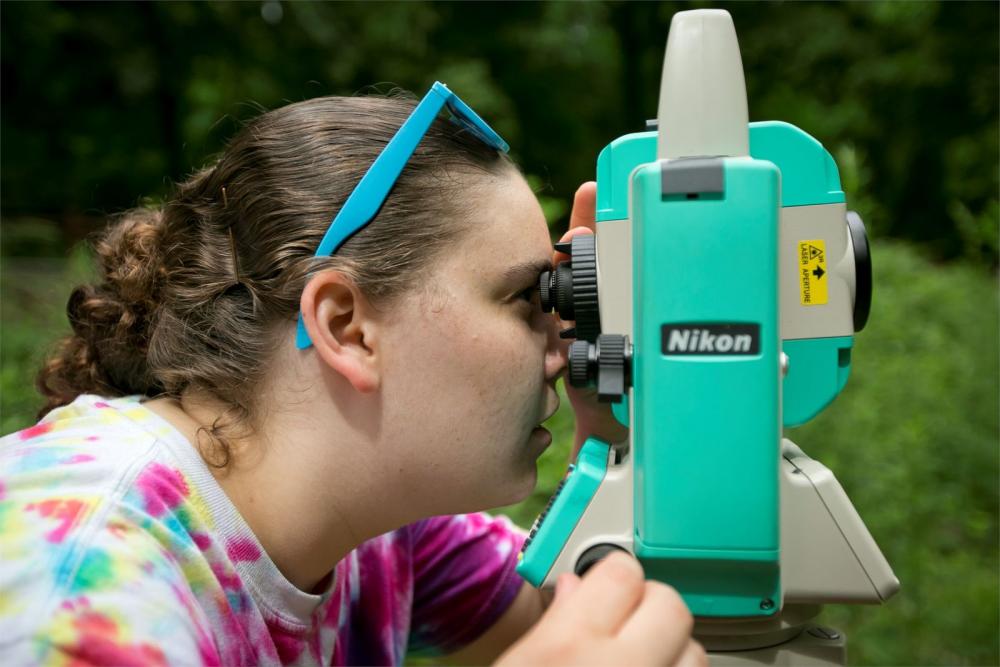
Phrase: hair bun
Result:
[130,257]
[111,321]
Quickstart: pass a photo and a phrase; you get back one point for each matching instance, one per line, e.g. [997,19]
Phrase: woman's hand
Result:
[592,417]
[610,617]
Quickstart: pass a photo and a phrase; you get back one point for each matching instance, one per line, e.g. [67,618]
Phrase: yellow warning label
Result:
[812,272]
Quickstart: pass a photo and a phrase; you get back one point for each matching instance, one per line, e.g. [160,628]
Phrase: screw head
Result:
[824,633]
[767,604]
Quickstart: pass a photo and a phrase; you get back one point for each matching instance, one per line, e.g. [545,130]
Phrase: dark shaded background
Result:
[105,104]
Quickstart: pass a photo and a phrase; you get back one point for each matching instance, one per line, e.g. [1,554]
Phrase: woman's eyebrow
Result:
[523,271]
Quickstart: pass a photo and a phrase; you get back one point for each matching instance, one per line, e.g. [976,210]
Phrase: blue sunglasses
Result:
[369,194]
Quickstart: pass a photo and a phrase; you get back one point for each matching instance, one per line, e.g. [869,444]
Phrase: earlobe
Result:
[339,320]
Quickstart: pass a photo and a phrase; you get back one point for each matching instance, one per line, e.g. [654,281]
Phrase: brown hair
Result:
[169,313]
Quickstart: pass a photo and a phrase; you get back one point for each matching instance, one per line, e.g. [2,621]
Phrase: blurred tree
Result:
[109,102]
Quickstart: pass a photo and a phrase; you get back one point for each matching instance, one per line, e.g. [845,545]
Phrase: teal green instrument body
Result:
[568,503]
[809,176]
[706,425]
[715,305]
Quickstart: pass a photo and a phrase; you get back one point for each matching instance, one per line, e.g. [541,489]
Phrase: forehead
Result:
[508,227]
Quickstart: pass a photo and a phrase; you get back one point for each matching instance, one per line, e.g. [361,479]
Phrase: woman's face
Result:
[470,362]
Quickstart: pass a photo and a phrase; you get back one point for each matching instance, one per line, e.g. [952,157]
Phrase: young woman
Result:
[264,439]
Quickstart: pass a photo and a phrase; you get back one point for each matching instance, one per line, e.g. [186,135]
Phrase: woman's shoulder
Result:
[81,495]
[86,446]
[89,429]
[71,471]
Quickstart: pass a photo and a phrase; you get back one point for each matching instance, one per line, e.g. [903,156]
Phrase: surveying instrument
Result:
[716,304]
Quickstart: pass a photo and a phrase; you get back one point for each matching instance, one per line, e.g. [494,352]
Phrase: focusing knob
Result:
[608,361]
[587,314]
[862,270]
[581,363]
[612,367]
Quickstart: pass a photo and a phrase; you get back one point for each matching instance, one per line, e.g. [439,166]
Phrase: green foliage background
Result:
[105,104]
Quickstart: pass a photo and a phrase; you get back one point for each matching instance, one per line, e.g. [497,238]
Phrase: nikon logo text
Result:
[698,338]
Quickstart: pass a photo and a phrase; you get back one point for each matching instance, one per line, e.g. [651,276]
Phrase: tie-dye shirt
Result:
[117,546]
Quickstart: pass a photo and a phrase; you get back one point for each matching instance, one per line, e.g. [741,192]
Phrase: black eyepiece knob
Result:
[564,291]
[546,288]
[571,287]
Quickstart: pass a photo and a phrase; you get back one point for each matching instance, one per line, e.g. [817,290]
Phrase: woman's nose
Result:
[556,351]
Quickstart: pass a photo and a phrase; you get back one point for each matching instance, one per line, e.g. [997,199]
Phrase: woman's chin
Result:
[524,483]
[522,477]
[540,439]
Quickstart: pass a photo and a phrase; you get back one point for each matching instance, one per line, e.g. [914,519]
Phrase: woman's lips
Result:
[542,434]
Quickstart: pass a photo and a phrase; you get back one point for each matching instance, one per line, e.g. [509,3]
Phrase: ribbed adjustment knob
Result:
[582,358]
[612,367]
[585,305]
[564,291]
[545,288]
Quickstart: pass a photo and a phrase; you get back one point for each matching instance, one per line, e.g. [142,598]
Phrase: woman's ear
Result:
[340,321]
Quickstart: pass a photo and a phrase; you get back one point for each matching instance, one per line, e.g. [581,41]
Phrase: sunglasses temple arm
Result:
[371,192]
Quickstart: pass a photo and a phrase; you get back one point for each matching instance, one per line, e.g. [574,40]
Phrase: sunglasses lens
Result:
[466,118]
[472,128]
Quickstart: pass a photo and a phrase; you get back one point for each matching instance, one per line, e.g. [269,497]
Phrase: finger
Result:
[584,207]
[565,585]
[606,596]
[694,656]
[661,621]
[582,216]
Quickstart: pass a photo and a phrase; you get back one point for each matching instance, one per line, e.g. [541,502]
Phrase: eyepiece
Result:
[571,287]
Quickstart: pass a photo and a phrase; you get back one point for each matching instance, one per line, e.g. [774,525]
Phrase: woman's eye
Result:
[528,294]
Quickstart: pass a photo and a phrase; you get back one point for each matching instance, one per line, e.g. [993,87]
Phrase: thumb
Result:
[584,207]
[565,585]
